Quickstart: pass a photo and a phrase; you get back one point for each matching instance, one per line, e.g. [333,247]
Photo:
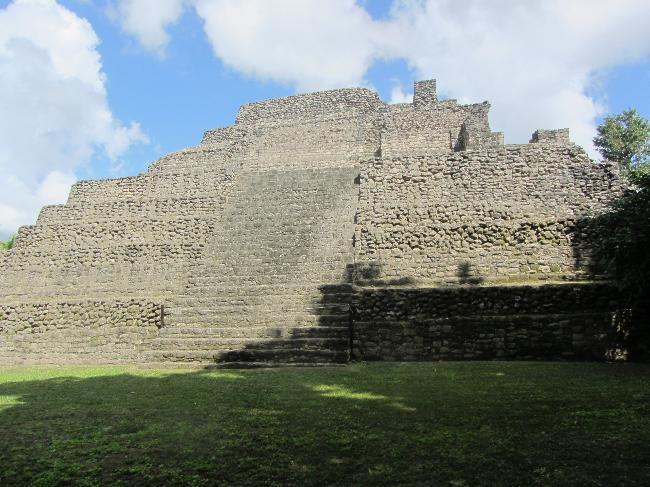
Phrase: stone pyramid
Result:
[245,249]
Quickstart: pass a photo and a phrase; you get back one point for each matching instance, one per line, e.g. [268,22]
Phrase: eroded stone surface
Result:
[245,242]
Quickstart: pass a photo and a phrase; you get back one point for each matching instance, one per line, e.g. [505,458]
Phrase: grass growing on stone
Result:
[366,424]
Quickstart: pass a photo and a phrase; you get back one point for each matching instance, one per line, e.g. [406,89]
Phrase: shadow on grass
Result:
[385,424]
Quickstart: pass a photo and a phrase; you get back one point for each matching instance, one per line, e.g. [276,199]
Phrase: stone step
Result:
[246,260]
[294,181]
[261,356]
[276,307]
[267,252]
[263,365]
[268,272]
[235,344]
[307,275]
[204,296]
[300,207]
[257,280]
[242,298]
[484,320]
[304,276]
[292,287]
[284,356]
[213,261]
[290,217]
[257,332]
[290,188]
[270,320]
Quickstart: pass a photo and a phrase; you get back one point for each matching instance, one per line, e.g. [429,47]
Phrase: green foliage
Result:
[622,242]
[620,239]
[625,139]
[462,424]
[8,244]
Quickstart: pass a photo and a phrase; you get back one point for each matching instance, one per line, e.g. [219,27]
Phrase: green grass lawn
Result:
[455,424]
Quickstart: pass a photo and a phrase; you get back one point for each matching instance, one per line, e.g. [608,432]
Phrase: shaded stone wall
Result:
[550,322]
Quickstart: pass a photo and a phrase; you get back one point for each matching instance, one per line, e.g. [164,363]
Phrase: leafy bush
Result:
[623,242]
[620,241]
[8,244]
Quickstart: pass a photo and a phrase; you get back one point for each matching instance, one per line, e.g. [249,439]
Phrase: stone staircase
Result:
[270,288]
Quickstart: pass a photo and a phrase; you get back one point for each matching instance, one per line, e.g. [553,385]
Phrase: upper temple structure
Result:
[317,228]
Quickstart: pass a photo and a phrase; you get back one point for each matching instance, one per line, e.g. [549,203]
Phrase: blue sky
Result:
[154,74]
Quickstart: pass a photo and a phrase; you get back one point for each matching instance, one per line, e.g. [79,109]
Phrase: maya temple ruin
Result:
[318,229]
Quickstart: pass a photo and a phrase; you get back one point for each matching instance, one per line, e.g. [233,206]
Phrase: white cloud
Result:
[535,60]
[312,44]
[55,187]
[148,19]
[20,202]
[55,115]
[398,95]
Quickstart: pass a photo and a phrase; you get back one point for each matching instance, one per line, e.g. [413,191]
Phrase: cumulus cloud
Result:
[535,60]
[147,20]
[55,114]
[399,95]
[312,44]
[20,202]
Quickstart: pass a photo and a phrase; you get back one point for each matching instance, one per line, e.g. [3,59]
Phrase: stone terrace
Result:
[243,250]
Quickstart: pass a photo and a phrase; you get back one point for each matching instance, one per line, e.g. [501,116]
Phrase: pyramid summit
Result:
[317,228]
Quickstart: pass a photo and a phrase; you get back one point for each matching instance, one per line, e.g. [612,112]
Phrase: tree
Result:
[625,139]
[621,248]
[8,244]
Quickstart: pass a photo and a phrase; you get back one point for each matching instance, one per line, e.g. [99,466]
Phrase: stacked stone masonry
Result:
[552,321]
[81,332]
[244,249]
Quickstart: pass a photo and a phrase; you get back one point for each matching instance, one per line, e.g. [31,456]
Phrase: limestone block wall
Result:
[424,93]
[134,255]
[115,233]
[560,136]
[201,158]
[283,227]
[563,321]
[149,186]
[129,235]
[78,332]
[314,130]
[135,210]
[155,270]
[491,213]
[217,136]
[312,106]
[411,129]
[318,144]
[317,130]
[241,231]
